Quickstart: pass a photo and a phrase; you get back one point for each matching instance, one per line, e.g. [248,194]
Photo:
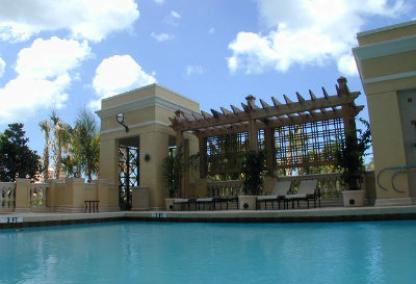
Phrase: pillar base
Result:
[393,201]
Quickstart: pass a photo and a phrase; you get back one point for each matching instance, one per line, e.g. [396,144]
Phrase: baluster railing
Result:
[38,195]
[229,188]
[7,196]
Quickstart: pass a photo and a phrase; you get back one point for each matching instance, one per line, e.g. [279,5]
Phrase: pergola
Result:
[316,122]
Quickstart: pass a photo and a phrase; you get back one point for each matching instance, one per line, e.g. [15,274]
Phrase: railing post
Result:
[22,195]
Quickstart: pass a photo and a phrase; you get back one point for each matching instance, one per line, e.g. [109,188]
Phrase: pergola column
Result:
[350,128]
[269,147]
[203,165]
[252,126]
[348,110]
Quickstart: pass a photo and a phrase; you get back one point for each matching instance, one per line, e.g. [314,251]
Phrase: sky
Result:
[67,55]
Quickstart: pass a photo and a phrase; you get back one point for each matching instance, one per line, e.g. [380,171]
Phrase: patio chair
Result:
[182,203]
[307,191]
[280,190]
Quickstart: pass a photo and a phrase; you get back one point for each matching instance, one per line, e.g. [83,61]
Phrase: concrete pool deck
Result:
[15,220]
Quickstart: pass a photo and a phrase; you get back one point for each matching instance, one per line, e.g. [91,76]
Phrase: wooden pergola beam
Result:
[279,122]
[219,119]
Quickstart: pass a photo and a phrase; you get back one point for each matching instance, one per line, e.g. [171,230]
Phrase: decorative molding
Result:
[142,103]
[397,76]
[385,29]
[137,125]
[385,48]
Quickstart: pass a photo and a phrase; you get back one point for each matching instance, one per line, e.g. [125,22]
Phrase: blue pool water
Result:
[130,252]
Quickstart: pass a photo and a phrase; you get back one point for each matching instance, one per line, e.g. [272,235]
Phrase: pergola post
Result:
[348,110]
[350,128]
[252,126]
[202,156]
[269,146]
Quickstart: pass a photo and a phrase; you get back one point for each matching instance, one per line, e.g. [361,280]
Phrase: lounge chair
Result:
[307,191]
[280,190]
[181,203]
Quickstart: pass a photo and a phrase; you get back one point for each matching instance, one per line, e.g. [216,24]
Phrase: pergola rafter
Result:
[306,111]
[317,107]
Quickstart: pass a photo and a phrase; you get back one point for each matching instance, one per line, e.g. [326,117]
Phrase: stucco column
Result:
[22,195]
[391,96]
[77,194]
[107,195]
[109,156]
[155,145]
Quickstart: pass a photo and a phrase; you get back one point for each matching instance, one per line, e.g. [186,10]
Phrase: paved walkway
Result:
[294,215]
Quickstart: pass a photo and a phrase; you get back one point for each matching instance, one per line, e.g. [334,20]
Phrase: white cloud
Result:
[173,18]
[175,15]
[43,77]
[194,70]
[84,19]
[159,2]
[347,66]
[306,33]
[50,58]
[162,37]
[2,67]
[117,74]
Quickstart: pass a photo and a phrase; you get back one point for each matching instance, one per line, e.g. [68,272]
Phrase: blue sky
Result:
[66,55]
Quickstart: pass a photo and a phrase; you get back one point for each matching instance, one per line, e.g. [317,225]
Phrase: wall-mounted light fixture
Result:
[120,120]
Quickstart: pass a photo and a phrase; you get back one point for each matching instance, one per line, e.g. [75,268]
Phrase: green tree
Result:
[45,126]
[60,141]
[74,149]
[253,171]
[87,141]
[350,158]
[16,158]
[172,171]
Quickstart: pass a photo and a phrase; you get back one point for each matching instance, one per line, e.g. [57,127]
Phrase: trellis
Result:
[300,134]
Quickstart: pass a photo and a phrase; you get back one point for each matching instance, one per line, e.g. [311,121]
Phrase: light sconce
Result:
[120,120]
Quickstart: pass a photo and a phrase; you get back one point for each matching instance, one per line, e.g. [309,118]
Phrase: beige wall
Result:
[387,65]
[147,112]
[67,195]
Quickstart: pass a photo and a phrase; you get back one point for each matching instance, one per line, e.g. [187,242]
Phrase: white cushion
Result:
[296,196]
[267,197]
[180,200]
[205,199]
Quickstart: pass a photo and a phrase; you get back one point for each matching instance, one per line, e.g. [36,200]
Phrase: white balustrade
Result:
[38,195]
[7,195]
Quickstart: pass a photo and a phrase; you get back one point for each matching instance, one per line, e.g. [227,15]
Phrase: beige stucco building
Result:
[386,59]
[146,114]
[136,131]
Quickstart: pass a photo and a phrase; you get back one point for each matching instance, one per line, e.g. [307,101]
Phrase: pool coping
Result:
[331,214]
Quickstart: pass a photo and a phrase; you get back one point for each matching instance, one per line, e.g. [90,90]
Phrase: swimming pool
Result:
[140,252]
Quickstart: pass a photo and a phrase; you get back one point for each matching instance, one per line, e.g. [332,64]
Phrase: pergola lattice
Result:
[290,130]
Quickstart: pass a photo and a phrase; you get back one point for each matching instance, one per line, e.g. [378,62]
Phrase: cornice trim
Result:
[133,126]
[385,48]
[397,76]
[142,103]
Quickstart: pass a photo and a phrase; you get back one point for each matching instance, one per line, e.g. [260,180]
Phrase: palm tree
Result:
[46,129]
[87,140]
[61,137]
